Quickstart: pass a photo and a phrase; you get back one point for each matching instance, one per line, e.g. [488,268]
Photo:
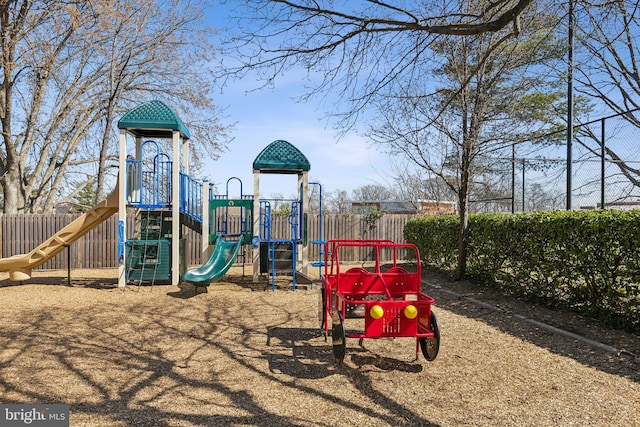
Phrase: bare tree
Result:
[338,202]
[608,69]
[418,185]
[486,98]
[154,49]
[540,198]
[371,192]
[32,49]
[355,51]
[69,67]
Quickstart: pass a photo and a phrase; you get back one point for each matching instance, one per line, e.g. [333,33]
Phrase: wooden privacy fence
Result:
[20,234]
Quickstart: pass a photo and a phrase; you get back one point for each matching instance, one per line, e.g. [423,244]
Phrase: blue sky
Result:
[266,115]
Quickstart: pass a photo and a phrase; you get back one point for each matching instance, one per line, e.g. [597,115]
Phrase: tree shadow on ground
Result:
[305,354]
[510,315]
[296,353]
[121,374]
[386,363]
[56,280]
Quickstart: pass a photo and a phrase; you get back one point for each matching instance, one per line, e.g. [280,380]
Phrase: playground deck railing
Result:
[148,189]
[151,189]
[191,197]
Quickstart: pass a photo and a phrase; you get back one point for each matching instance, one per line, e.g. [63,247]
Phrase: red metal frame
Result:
[393,289]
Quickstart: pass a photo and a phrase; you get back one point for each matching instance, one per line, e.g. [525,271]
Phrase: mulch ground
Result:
[242,355]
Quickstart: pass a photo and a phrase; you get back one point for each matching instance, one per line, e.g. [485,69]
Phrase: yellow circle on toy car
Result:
[410,312]
[376,312]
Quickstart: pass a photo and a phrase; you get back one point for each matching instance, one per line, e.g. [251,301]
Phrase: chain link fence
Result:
[606,165]
[604,170]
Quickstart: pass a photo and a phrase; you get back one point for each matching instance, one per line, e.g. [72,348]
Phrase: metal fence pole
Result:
[602,162]
[569,103]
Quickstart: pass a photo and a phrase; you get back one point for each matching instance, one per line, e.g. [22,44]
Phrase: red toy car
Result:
[386,297]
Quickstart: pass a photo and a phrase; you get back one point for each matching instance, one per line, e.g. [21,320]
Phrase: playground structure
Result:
[385,300]
[158,188]
[166,197]
[278,255]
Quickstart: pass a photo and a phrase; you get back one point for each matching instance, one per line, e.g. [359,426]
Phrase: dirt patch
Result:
[241,354]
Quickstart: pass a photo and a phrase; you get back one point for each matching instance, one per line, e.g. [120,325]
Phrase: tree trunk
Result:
[463,241]
[463,194]
[13,200]
[102,162]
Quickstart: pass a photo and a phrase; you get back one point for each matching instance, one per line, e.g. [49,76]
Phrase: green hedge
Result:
[583,261]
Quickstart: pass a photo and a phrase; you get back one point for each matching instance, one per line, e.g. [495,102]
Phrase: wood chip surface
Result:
[242,355]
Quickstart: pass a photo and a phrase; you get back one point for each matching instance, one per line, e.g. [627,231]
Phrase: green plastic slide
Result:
[221,260]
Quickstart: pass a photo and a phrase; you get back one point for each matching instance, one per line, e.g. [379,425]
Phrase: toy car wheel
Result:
[431,346]
[338,338]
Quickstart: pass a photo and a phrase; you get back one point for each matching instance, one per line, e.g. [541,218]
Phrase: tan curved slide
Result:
[20,266]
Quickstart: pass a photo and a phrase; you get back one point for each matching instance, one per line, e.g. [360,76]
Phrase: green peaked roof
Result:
[153,120]
[281,157]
